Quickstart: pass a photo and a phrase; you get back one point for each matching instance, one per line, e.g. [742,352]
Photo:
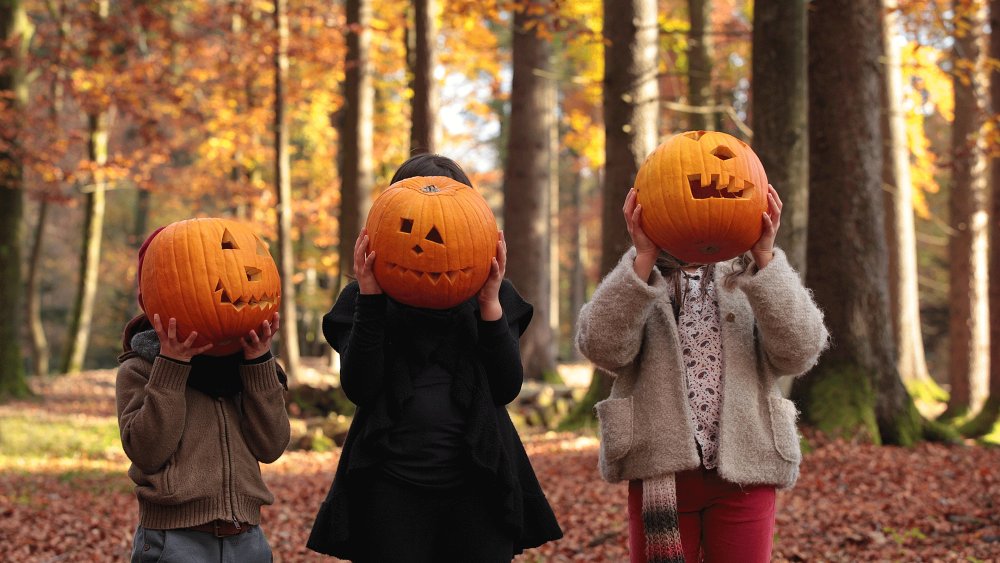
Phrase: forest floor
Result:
[65,496]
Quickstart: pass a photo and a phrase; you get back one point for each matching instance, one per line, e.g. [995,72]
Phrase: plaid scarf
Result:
[659,517]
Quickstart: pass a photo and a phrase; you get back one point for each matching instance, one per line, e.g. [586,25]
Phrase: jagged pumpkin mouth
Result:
[434,277]
[239,301]
[707,186]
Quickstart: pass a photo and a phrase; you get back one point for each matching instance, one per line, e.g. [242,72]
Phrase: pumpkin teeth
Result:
[434,277]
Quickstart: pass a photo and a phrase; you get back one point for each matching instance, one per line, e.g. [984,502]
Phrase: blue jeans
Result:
[175,546]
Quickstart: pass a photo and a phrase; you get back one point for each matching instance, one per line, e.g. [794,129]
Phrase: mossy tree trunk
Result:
[15,34]
[988,419]
[855,390]
[630,127]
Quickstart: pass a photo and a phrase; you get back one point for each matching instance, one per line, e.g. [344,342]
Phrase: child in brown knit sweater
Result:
[195,428]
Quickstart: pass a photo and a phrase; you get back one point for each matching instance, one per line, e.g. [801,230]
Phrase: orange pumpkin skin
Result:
[214,276]
[703,195]
[434,240]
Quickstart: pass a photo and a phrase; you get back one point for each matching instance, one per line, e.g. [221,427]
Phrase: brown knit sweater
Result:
[195,458]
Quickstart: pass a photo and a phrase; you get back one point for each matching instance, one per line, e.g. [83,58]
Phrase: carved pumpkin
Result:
[434,239]
[703,194]
[214,276]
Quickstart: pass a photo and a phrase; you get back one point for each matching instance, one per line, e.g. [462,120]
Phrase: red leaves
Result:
[852,503]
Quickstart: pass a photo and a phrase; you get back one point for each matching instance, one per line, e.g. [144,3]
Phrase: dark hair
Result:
[430,164]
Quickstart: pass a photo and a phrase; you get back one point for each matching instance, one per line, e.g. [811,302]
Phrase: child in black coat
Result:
[432,468]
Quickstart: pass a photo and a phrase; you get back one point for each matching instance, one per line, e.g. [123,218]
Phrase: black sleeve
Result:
[498,345]
[355,328]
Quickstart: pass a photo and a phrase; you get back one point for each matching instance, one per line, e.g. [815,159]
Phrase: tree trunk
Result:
[630,128]
[423,127]
[90,257]
[700,63]
[526,186]
[968,327]
[900,230]
[575,245]
[289,334]
[39,343]
[986,422]
[14,23]
[780,115]
[855,389]
[357,176]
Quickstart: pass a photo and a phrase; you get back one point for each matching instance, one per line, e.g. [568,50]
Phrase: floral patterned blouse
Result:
[701,346]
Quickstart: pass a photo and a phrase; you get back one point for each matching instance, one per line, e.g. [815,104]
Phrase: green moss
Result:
[906,430]
[553,377]
[839,401]
[927,391]
[582,415]
[58,436]
[983,423]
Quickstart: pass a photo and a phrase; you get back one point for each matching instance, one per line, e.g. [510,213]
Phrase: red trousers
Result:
[719,521]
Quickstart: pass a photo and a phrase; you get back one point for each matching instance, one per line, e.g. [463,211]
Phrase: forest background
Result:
[875,120]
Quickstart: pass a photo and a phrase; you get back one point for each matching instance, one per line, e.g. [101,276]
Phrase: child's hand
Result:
[763,250]
[364,263]
[633,219]
[170,347]
[256,346]
[489,295]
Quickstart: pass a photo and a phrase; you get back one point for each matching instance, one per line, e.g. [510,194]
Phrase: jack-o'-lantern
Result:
[703,195]
[434,240]
[215,276]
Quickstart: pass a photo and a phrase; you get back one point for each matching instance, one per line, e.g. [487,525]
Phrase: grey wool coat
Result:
[771,327]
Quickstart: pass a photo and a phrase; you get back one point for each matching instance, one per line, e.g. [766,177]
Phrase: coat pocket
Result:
[786,435]
[617,432]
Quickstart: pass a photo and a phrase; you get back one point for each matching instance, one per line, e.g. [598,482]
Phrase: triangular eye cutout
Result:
[261,248]
[228,241]
[435,236]
[722,152]
[695,135]
[218,286]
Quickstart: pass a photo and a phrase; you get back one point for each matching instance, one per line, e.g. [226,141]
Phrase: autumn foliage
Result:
[852,503]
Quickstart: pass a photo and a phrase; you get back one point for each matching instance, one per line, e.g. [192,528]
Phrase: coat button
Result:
[730,317]
[145,547]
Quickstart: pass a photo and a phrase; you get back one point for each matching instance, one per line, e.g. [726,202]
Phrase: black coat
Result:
[375,338]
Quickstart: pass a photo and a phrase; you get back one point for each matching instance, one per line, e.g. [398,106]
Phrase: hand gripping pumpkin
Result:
[214,276]
[434,239]
[703,194]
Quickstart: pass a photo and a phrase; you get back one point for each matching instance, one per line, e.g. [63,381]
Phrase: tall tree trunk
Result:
[700,63]
[780,116]
[39,343]
[423,127]
[987,420]
[357,176]
[90,256]
[630,128]
[526,186]
[968,327]
[855,389]
[575,246]
[14,23]
[900,230]
[282,176]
